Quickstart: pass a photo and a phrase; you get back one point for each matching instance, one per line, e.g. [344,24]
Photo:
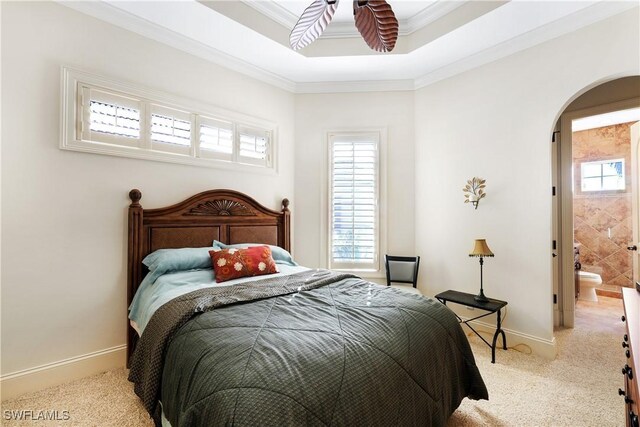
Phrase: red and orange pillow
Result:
[235,263]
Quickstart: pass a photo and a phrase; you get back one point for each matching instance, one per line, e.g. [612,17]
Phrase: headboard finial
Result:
[285,204]
[135,195]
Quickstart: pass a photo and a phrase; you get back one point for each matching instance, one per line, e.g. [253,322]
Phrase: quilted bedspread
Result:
[313,348]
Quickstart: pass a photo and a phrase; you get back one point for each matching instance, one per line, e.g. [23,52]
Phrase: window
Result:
[354,232]
[107,117]
[114,119]
[254,146]
[216,139]
[603,175]
[170,130]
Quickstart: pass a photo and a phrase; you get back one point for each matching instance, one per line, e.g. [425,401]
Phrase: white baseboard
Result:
[539,346]
[51,374]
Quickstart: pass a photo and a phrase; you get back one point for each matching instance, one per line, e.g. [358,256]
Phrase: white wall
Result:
[606,93]
[64,213]
[496,122]
[316,114]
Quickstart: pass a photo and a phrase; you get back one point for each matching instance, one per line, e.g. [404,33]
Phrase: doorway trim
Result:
[566,287]
[635,142]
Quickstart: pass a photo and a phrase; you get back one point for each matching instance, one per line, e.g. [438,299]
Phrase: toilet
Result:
[588,284]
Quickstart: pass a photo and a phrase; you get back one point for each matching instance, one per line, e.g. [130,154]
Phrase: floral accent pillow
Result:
[234,263]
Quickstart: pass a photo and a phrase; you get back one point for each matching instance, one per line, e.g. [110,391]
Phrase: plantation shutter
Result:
[120,120]
[216,139]
[110,118]
[170,130]
[254,146]
[354,202]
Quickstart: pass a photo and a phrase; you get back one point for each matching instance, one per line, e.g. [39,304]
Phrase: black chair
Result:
[402,269]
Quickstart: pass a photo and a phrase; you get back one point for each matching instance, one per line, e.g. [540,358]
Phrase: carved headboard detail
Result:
[221,207]
[225,215]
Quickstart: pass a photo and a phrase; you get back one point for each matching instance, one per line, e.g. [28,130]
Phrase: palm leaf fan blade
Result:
[377,24]
[312,23]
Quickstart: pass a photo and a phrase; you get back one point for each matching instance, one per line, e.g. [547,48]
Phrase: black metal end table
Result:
[491,306]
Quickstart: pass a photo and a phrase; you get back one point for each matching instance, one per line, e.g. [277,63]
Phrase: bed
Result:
[300,347]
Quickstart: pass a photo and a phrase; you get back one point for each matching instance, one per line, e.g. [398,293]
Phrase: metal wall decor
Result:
[374,19]
[474,191]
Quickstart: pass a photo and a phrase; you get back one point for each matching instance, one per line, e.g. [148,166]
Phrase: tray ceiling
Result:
[437,38]
[402,9]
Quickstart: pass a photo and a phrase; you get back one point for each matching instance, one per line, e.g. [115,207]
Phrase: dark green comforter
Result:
[343,352]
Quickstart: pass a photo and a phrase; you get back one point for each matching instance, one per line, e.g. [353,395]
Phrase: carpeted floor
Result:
[578,388]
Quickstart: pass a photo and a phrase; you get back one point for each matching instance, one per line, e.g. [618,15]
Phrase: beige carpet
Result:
[102,400]
[579,388]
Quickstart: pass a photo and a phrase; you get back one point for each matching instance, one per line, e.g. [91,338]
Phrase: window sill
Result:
[600,193]
[167,157]
[365,274]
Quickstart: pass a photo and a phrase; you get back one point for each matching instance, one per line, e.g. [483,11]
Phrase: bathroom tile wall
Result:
[602,220]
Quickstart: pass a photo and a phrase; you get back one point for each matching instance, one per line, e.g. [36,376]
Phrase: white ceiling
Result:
[261,53]
[411,14]
[403,9]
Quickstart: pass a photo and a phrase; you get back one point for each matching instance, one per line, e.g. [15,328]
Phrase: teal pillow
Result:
[280,256]
[168,260]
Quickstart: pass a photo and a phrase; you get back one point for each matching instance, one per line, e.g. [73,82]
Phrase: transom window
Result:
[170,130]
[107,117]
[216,138]
[114,119]
[254,145]
[602,175]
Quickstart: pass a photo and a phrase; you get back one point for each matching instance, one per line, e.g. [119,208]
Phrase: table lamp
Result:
[481,250]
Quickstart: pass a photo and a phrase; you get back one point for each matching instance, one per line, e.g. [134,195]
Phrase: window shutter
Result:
[354,194]
[103,116]
[109,117]
[114,119]
[170,130]
[215,139]
[254,146]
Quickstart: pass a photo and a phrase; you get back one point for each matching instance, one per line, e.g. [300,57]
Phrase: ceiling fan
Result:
[374,19]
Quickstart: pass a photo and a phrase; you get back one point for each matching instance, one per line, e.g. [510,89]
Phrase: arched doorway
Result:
[614,95]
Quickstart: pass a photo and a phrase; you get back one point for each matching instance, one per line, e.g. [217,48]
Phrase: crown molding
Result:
[341,30]
[121,18]
[283,16]
[116,16]
[128,21]
[356,86]
[344,30]
[431,13]
[590,15]
[274,11]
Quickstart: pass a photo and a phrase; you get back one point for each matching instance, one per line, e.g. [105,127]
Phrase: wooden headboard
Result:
[224,215]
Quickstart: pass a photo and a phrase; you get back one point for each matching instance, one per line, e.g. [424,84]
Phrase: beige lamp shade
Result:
[481,249]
